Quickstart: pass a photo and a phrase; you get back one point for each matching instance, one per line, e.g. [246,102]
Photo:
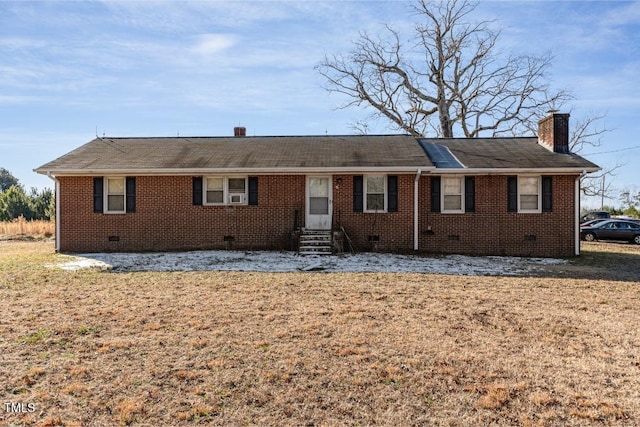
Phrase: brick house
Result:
[487,196]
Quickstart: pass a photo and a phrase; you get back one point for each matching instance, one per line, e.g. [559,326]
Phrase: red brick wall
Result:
[166,219]
[392,231]
[491,230]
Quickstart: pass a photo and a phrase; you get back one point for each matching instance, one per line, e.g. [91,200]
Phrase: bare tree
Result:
[587,133]
[448,79]
[629,199]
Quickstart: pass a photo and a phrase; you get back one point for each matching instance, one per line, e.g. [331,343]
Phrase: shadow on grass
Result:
[601,261]
[27,238]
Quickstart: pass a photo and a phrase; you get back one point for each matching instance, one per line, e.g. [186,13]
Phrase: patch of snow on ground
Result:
[73,263]
[265,261]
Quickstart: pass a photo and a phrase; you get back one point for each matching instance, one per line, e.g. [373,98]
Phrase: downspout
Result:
[416,210]
[577,212]
[57,196]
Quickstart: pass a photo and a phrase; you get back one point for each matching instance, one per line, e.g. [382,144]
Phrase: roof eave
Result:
[504,171]
[318,170]
[258,171]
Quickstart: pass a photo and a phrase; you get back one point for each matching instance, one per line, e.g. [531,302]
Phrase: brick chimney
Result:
[553,132]
[239,131]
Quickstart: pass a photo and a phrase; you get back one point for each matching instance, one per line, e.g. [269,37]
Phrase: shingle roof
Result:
[361,152]
[243,153]
[508,153]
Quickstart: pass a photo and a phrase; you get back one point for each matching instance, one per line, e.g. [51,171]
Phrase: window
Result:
[319,196]
[529,194]
[225,190]
[115,192]
[215,191]
[237,190]
[375,193]
[452,195]
[374,188]
[236,185]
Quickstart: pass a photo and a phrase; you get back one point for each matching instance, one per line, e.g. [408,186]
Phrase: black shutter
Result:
[197,190]
[435,194]
[358,196]
[253,190]
[131,194]
[512,194]
[392,193]
[98,199]
[469,194]
[547,194]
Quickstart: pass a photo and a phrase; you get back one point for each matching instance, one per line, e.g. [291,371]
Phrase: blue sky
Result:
[69,70]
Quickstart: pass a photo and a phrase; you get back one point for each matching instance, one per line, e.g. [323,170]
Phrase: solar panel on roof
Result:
[440,155]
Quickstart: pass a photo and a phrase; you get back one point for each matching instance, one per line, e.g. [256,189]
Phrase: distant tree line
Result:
[15,201]
[629,204]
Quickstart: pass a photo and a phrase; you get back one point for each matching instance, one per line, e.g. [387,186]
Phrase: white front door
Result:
[319,201]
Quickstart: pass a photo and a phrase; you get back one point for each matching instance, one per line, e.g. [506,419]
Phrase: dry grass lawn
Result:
[95,348]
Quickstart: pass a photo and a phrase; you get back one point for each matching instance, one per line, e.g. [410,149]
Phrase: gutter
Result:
[577,212]
[57,196]
[416,211]
[236,170]
[512,171]
[319,170]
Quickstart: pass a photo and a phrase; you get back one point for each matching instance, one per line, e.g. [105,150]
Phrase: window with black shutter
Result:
[469,194]
[392,197]
[253,190]
[435,194]
[547,194]
[197,190]
[98,195]
[114,195]
[131,194]
[358,193]
[512,194]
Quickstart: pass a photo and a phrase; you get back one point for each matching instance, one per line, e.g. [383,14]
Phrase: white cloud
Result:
[19,99]
[19,43]
[626,13]
[196,16]
[611,88]
[208,45]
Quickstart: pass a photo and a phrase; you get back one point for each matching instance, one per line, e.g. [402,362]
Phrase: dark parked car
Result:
[613,229]
[595,215]
[626,218]
[591,222]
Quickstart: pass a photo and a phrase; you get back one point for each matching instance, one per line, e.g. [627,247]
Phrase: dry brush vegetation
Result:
[97,348]
[20,228]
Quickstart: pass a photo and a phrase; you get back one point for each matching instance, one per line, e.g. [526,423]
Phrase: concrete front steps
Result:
[315,242]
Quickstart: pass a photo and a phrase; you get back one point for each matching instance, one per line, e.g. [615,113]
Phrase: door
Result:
[318,206]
